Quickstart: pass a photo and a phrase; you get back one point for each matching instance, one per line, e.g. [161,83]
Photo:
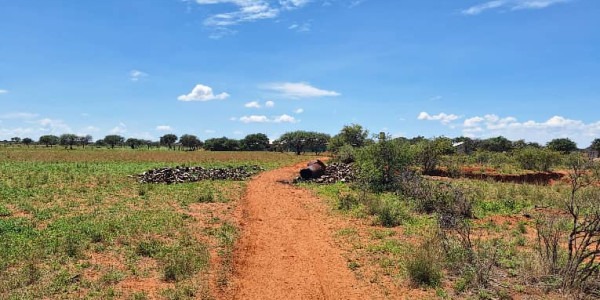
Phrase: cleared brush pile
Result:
[335,172]
[181,174]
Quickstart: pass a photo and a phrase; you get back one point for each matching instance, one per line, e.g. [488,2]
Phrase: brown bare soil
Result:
[287,250]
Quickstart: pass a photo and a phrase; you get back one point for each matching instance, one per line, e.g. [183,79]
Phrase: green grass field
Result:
[73,224]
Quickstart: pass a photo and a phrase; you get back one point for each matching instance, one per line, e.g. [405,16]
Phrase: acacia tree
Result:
[49,140]
[68,140]
[563,145]
[190,141]
[317,142]
[133,143]
[114,140]
[27,141]
[84,140]
[301,141]
[221,144]
[255,142]
[354,135]
[168,139]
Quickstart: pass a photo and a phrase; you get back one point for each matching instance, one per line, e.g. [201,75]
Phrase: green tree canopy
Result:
[190,141]
[496,144]
[255,142]
[354,135]
[563,145]
[168,139]
[68,139]
[221,144]
[596,145]
[48,140]
[27,141]
[114,140]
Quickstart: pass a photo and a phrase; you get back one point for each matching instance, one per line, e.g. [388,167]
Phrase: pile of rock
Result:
[334,172]
[181,174]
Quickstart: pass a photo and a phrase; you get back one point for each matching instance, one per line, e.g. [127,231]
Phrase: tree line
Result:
[350,136]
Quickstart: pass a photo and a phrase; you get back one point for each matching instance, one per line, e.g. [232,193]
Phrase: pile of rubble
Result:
[181,174]
[334,172]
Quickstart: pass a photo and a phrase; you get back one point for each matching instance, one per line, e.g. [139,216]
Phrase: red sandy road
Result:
[286,250]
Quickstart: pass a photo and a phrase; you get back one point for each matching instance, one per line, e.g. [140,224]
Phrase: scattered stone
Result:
[182,174]
[335,172]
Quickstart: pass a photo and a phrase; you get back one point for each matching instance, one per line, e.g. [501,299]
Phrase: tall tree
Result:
[354,135]
[49,140]
[114,140]
[255,142]
[84,140]
[221,144]
[27,141]
[168,139]
[133,143]
[190,141]
[563,145]
[68,140]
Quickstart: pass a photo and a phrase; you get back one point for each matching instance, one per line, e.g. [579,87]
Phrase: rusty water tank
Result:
[315,169]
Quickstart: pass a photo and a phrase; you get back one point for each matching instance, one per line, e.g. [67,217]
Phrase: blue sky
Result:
[519,68]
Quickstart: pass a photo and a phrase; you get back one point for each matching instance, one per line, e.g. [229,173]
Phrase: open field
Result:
[74,225]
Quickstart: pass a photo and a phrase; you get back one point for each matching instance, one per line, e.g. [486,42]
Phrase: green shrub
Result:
[428,153]
[423,266]
[537,159]
[380,164]
[346,154]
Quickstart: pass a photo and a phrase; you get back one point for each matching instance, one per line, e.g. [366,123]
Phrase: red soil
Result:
[287,250]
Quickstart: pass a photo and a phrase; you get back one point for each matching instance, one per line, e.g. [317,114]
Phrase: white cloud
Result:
[3,91]
[269,104]
[510,5]
[254,119]
[163,128]
[18,115]
[52,126]
[135,75]
[299,111]
[233,119]
[442,117]
[479,8]
[302,27]
[510,127]
[299,90]
[253,104]
[88,130]
[120,129]
[263,119]
[284,119]
[202,93]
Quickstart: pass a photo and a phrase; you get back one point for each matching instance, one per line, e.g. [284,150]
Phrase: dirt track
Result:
[286,250]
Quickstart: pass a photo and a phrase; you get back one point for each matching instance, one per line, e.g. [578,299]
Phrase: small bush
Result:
[423,265]
[380,164]
[151,248]
[346,154]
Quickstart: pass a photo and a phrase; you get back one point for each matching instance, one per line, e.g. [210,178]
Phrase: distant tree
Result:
[469,144]
[15,140]
[296,141]
[221,144]
[496,144]
[133,143]
[563,145]
[100,143]
[255,142]
[417,139]
[596,146]
[317,142]
[148,143]
[27,141]
[114,140]
[84,140]
[429,152]
[68,140]
[354,135]
[190,141]
[168,139]
[49,140]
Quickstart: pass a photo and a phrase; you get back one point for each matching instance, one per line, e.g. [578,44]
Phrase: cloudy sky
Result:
[519,68]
